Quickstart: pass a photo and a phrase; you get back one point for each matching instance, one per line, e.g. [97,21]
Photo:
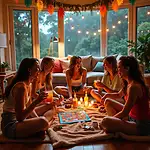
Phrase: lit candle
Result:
[81,99]
[79,102]
[92,102]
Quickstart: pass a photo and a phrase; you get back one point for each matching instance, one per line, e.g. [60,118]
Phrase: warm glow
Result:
[68,40]
[70,18]
[148,12]
[82,17]
[107,30]
[87,32]
[97,13]
[126,16]
[92,102]
[79,31]
[119,22]
[79,103]
[81,99]
[94,33]
[113,27]
[99,30]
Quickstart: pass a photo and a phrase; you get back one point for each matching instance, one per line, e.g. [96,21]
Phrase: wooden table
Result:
[3,77]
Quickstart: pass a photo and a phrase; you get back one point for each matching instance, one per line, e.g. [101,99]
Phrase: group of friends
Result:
[122,90]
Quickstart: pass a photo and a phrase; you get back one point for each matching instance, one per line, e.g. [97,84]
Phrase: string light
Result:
[119,22]
[70,18]
[113,27]
[79,31]
[99,30]
[126,16]
[68,40]
[97,13]
[82,17]
[107,30]
[147,30]
[72,28]
[87,32]
[148,12]
[94,33]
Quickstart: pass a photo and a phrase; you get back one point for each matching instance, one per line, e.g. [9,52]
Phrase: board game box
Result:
[73,117]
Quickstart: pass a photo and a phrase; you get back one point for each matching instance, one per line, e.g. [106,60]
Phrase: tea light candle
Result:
[92,102]
[79,102]
[86,103]
[81,99]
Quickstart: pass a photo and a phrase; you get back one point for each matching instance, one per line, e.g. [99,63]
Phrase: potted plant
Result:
[141,50]
[4,66]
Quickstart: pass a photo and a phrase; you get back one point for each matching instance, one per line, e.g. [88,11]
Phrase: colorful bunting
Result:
[51,9]
[115,5]
[39,5]
[61,12]
[103,10]
[132,1]
[28,2]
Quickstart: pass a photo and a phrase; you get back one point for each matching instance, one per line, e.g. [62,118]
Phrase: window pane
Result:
[82,33]
[117,32]
[23,35]
[143,20]
[48,30]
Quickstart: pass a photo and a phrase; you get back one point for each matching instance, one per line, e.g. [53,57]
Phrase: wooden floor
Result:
[103,145]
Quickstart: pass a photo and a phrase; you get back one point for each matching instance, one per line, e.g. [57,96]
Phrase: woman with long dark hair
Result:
[136,107]
[111,82]
[76,79]
[19,117]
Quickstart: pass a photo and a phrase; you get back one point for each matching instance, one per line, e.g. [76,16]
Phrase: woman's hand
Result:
[104,97]
[43,95]
[99,84]
[61,98]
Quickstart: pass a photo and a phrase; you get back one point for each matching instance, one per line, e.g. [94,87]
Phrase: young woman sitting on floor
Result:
[136,106]
[76,79]
[21,118]
[111,82]
[44,80]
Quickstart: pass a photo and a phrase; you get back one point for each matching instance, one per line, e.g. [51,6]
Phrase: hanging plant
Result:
[28,2]
[132,1]
[103,10]
[39,5]
[115,5]
[61,12]
[119,2]
[51,9]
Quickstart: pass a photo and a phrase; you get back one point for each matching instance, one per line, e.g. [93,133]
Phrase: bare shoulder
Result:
[19,88]
[67,71]
[135,88]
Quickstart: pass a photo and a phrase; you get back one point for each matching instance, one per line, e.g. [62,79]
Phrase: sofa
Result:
[94,66]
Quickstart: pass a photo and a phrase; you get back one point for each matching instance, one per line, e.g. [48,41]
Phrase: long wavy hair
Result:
[72,65]
[112,60]
[45,61]
[22,74]
[134,73]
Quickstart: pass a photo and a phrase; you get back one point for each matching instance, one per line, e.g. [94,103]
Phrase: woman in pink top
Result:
[136,107]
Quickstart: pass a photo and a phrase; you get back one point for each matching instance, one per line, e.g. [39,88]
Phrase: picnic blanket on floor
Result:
[74,134]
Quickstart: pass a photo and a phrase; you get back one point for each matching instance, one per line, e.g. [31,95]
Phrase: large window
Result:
[143,20]
[23,34]
[48,31]
[117,32]
[82,33]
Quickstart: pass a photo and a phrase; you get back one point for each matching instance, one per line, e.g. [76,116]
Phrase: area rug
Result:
[74,134]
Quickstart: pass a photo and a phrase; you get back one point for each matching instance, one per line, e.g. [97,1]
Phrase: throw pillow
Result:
[86,61]
[57,66]
[64,64]
[99,67]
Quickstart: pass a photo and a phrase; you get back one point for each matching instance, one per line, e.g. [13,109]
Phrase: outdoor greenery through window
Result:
[143,20]
[48,31]
[82,33]
[23,35]
[117,32]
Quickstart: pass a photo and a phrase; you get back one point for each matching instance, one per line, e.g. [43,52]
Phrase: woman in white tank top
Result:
[21,118]
[76,79]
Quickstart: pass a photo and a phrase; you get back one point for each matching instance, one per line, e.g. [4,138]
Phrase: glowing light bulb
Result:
[99,30]
[87,32]
[126,16]
[107,30]
[148,12]
[79,31]
[82,17]
[94,33]
[119,22]
[72,28]
[113,27]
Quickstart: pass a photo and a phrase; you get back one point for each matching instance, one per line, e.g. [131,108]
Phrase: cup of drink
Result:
[50,96]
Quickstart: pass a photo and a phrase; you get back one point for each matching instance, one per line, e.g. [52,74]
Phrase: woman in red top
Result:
[136,107]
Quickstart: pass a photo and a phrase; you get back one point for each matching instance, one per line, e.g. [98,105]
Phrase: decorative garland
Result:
[101,4]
